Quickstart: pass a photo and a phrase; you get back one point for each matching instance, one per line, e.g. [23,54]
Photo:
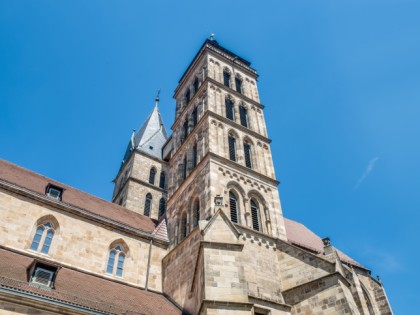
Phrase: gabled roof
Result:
[76,288]
[151,137]
[36,183]
[300,235]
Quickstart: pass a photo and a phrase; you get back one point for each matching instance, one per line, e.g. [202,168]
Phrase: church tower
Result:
[219,150]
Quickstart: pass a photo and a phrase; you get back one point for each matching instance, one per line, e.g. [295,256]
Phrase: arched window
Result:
[185,130]
[226,78]
[195,84]
[116,254]
[187,96]
[233,205]
[162,207]
[43,235]
[184,170]
[238,84]
[255,215]
[184,226]
[194,156]
[232,147]
[194,117]
[148,204]
[243,113]
[196,213]
[230,114]
[247,153]
[152,176]
[162,180]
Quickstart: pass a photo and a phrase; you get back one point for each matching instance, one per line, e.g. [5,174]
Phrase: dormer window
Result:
[43,275]
[54,191]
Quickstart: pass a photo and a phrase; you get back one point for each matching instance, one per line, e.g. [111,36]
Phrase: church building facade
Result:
[195,225]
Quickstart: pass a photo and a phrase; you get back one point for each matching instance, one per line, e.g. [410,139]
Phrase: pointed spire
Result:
[157,98]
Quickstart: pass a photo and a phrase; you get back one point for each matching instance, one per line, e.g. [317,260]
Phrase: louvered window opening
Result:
[232,148]
[184,169]
[42,276]
[162,180]
[247,152]
[229,109]
[233,204]
[226,78]
[184,227]
[148,204]
[194,156]
[152,176]
[243,113]
[196,214]
[162,207]
[255,216]
[238,85]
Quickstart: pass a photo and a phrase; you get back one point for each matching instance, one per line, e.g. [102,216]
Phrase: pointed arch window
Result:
[233,205]
[116,259]
[247,153]
[226,78]
[243,113]
[196,213]
[194,117]
[195,84]
[255,215]
[162,180]
[194,156]
[44,235]
[232,148]
[184,226]
[184,169]
[238,85]
[229,109]
[152,176]
[162,207]
[148,204]
[187,96]
[185,130]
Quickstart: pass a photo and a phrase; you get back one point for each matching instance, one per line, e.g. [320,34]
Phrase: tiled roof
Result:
[84,290]
[300,235]
[36,183]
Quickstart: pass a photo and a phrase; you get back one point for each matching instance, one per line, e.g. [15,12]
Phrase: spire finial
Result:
[211,36]
[157,98]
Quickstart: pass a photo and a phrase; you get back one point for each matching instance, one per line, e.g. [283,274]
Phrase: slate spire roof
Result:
[151,136]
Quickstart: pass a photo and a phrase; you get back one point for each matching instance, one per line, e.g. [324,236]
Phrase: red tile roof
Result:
[37,183]
[300,235]
[84,290]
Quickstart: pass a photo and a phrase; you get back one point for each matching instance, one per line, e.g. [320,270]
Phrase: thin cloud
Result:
[367,171]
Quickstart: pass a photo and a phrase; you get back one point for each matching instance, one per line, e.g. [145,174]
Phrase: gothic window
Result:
[152,176]
[185,130]
[194,156]
[116,259]
[233,205]
[247,153]
[255,215]
[196,213]
[162,180]
[187,96]
[44,235]
[184,226]
[238,84]
[230,114]
[243,113]
[162,207]
[195,84]
[226,78]
[194,117]
[148,204]
[232,148]
[184,169]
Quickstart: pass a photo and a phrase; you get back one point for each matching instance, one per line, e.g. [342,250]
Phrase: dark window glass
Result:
[162,207]
[194,156]
[47,242]
[184,170]
[152,176]
[196,214]
[247,152]
[226,78]
[229,109]
[187,96]
[120,264]
[148,204]
[184,226]
[232,148]
[238,85]
[233,204]
[185,129]
[195,84]
[243,113]
[162,180]
[194,117]
[255,216]
[37,238]
[111,260]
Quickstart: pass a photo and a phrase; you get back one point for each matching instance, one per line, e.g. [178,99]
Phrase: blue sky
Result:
[339,79]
